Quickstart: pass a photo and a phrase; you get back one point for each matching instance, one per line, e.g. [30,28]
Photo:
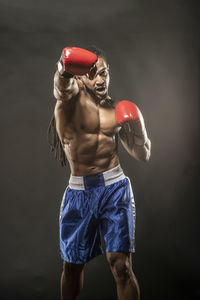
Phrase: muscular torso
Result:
[88,134]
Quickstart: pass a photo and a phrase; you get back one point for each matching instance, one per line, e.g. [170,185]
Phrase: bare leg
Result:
[121,267]
[71,281]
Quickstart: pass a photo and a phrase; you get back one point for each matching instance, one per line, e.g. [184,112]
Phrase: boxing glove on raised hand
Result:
[127,113]
[76,61]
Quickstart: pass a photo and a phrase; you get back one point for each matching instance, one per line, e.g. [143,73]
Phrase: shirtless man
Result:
[99,199]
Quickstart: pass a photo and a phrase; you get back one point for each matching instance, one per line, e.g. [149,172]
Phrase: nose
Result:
[100,80]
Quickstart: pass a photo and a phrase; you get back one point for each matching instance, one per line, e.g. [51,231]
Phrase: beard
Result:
[107,103]
[104,100]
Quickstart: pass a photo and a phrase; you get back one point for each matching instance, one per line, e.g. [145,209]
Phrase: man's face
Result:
[97,81]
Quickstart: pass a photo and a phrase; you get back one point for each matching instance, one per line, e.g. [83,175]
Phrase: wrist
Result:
[66,75]
[62,73]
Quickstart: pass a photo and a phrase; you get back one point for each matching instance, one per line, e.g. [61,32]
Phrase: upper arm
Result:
[61,114]
[65,88]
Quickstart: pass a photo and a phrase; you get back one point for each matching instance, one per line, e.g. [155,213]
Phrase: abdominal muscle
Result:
[89,154]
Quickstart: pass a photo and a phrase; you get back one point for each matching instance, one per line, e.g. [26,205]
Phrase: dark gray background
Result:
[153,50]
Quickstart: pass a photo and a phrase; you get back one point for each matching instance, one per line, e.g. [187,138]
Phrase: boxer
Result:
[98,202]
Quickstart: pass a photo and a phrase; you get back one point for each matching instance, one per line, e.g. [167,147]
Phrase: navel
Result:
[93,168]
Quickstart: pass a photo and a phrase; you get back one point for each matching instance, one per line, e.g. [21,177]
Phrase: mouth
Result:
[101,91]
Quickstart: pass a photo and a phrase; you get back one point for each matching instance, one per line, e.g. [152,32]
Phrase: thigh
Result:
[79,234]
[76,218]
[118,219]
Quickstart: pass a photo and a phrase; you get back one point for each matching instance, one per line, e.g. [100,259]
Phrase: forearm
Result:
[133,133]
[140,151]
[73,61]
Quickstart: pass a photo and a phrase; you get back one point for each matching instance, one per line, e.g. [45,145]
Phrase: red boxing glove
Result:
[76,61]
[128,111]
[125,111]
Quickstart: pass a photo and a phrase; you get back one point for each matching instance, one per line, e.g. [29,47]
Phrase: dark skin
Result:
[87,129]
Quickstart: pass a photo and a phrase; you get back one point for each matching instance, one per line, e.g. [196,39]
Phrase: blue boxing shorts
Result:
[94,206]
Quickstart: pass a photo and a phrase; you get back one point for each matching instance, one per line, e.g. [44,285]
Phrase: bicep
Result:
[65,88]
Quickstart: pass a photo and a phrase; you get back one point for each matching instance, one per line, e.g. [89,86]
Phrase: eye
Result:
[104,73]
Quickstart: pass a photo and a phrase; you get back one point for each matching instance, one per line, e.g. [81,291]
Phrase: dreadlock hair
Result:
[52,135]
[55,143]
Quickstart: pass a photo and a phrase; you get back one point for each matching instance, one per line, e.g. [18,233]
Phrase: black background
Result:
[153,51]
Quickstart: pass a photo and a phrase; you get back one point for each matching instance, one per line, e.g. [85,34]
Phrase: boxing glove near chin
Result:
[76,61]
[127,112]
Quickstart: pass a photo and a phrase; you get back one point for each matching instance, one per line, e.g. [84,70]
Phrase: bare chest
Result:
[83,120]
[95,119]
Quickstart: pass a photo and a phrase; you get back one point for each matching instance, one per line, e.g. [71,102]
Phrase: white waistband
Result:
[105,178]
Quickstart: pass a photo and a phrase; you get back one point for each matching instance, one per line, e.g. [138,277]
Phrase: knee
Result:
[121,269]
[71,270]
[72,278]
